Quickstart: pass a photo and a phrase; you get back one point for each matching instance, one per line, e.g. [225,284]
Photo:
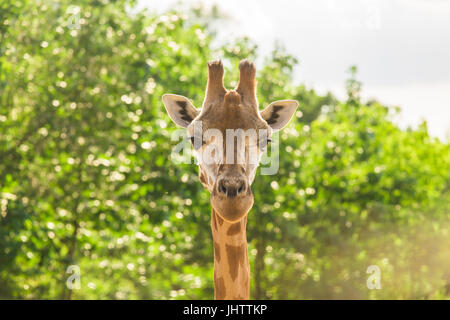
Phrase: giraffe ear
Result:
[180,109]
[278,113]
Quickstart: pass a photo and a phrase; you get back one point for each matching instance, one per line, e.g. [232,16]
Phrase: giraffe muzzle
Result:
[232,197]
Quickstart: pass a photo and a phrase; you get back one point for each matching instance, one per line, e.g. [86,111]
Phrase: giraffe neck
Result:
[231,267]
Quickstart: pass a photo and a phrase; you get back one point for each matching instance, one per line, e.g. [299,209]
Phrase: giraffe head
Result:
[229,135]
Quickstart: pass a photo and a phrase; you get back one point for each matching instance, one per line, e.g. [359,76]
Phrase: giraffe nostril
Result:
[241,187]
[231,188]
[222,188]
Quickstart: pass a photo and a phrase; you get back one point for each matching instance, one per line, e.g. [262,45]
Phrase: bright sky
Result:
[401,47]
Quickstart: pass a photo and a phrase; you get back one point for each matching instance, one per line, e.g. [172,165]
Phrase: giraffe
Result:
[228,172]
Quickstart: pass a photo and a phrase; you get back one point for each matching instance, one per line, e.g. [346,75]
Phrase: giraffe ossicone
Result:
[229,135]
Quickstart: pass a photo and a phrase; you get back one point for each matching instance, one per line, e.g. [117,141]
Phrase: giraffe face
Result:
[229,135]
[228,142]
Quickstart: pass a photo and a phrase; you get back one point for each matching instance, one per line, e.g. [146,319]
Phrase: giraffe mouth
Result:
[232,208]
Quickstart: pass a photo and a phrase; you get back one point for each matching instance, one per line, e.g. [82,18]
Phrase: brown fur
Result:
[247,82]
[214,221]
[234,229]
[217,251]
[202,178]
[235,255]
[219,289]
[219,219]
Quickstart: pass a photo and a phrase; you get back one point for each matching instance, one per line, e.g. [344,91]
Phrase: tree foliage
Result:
[86,177]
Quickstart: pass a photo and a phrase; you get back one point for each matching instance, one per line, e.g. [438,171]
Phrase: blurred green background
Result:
[86,177]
